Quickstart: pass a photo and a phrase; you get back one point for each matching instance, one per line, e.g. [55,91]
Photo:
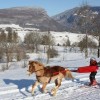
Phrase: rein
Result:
[60,71]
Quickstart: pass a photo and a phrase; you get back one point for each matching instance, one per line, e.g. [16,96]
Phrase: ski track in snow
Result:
[69,90]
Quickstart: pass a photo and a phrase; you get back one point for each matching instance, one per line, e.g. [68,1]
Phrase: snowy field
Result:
[15,84]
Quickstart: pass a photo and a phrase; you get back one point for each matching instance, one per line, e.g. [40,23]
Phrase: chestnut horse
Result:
[46,74]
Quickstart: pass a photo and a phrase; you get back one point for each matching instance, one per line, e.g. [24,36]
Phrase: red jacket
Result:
[87,69]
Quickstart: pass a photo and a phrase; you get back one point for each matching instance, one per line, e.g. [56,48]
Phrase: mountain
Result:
[29,17]
[72,18]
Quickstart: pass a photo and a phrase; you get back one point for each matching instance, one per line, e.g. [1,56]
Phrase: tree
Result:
[15,37]
[48,41]
[10,34]
[8,44]
[2,43]
[82,44]
[96,30]
[32,40]
[83,23]
[66,42]
[52,52]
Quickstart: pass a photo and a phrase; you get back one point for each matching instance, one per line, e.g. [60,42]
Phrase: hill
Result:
[72,18]
[29,17]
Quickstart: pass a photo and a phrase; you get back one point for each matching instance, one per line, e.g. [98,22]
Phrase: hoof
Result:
[53,92]
[44,91]
[32,94]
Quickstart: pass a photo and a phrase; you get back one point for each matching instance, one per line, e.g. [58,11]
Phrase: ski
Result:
[87,86]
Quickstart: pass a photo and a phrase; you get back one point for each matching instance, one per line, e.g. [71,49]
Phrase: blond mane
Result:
[39,63]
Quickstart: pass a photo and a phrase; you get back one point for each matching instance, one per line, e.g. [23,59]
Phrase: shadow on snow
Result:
[23,83]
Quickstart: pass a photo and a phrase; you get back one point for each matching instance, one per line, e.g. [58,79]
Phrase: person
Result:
[92,69]
[93,73]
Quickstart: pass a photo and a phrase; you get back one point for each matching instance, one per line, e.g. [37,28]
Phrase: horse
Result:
[45,74]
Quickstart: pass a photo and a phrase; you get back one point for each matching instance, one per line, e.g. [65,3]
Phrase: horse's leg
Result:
[44,87]
[34,86]
[58,84]
[53,91]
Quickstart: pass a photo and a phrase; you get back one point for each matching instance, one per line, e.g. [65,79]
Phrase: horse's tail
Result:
[68,74]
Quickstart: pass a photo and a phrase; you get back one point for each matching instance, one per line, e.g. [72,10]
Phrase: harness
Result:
[42,75]
[48,72]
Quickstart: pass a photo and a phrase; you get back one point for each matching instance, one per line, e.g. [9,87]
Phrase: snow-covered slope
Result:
[59,37]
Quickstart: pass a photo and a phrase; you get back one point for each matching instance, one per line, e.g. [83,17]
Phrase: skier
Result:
[93,67]
[93,73]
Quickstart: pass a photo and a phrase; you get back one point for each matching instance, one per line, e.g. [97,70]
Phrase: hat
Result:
[93,59]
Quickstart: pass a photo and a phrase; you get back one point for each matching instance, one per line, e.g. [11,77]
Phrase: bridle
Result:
[36,70]
[41,75]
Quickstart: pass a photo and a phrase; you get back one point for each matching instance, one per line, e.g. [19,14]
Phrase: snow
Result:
[59,37]
[96,13]
[75,14]
[10,25]
[22,34]
[15,84]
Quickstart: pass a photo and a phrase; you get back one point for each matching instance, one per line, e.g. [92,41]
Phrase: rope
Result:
[55,73]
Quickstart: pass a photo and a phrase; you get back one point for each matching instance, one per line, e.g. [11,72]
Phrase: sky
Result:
[52,7]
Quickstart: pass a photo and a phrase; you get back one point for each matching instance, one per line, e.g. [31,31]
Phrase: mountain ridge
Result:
[37,17]
[32,17]
[70,18]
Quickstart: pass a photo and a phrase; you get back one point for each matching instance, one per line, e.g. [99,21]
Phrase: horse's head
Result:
[34,66]
[31,68]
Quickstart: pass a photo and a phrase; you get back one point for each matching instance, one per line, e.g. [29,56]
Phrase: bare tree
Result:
[96,30]
[2,43]
[48,41]
[66,43]
[8,42]
[32,40]
[82,44]
[83,22]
